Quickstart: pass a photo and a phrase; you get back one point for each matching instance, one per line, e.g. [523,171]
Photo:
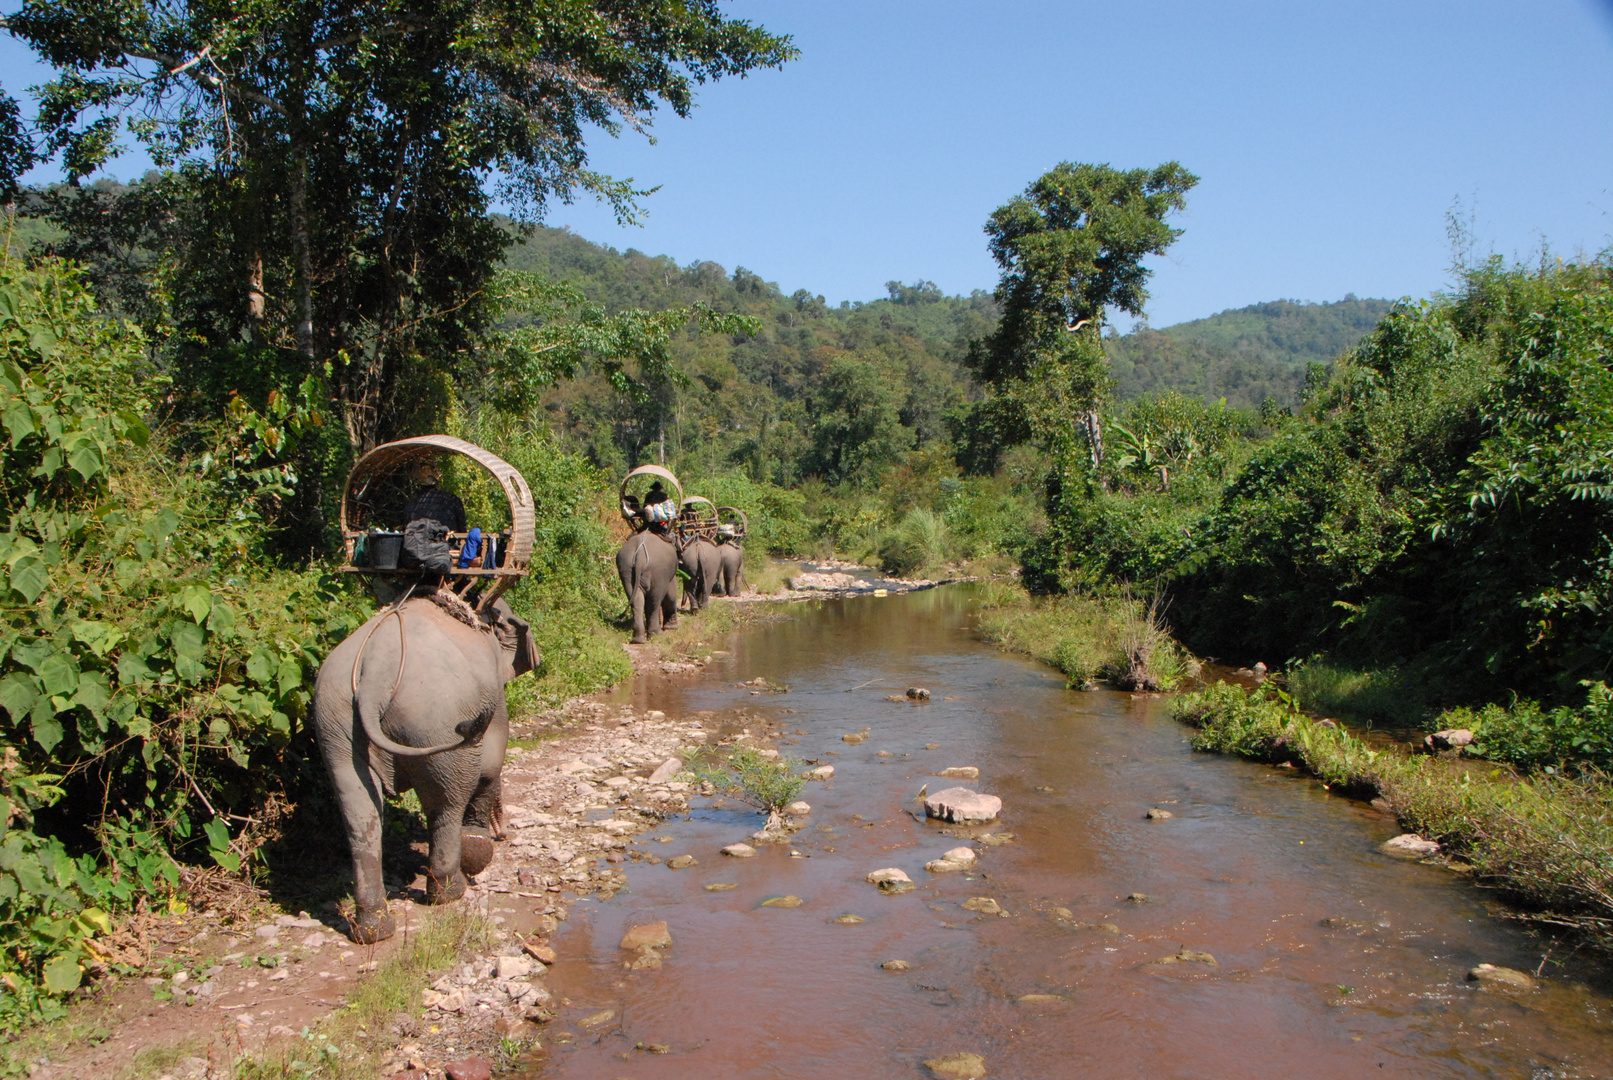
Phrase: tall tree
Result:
[1071,247]
[338,154]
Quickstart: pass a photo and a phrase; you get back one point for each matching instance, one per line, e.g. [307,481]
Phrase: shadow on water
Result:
[1330,959]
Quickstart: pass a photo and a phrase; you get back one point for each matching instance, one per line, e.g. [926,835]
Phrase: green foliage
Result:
[857,430]
[1530,737]
[338,158]
[1114,636]
[136,655]
[767,783]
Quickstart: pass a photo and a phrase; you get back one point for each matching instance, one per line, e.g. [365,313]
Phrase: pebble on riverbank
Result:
[1156,814]
[959,772]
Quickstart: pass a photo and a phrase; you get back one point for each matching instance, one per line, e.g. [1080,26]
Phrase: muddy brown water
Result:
[1331,959]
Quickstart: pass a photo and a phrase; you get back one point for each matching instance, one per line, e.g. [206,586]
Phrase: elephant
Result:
[699,560]
[648,565]
[730,569]
[414,698]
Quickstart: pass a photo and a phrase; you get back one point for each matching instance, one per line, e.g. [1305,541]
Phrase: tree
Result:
[1071,247]
[336,155]
[857,429]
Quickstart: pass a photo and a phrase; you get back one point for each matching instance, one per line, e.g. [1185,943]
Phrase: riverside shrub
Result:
[152,669]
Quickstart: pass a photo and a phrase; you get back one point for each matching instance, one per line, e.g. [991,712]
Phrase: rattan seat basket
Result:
[392,459]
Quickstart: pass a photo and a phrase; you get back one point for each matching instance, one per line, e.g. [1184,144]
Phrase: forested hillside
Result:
[884,372]
[1245,355]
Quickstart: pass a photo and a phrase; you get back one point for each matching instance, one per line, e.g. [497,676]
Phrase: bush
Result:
[769,784]
[1530,737]
[148,655]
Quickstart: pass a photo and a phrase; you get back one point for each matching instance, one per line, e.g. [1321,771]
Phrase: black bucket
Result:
[383,550]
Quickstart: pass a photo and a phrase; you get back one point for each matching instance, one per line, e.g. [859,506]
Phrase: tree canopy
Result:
[335,159]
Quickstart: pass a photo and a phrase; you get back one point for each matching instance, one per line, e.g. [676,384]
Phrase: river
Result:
[1330,959]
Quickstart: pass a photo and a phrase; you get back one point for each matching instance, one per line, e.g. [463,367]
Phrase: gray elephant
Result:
[698,559]
[415,699]
[730,569]
[648,566]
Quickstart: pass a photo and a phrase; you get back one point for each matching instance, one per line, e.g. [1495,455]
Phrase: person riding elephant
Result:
[414,699]
[730,566]
[647,563]
[699,561]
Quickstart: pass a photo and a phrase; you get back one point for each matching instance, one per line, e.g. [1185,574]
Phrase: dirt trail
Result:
[576,791]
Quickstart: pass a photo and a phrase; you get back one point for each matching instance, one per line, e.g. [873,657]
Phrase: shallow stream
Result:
[1331,959]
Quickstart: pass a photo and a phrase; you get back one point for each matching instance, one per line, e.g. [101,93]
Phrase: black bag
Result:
[425,547]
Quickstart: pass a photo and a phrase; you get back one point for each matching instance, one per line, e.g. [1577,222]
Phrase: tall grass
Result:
[1115,637]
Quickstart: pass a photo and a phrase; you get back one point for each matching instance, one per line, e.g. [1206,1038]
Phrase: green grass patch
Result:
[1116,637]
[352,1042]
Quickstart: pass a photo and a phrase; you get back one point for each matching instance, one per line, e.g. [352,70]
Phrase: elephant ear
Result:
[515,633]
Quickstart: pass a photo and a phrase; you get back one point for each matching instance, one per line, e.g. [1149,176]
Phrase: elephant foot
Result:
[640,639]
[444,892]
[670,624]
[366,927]
[475,852]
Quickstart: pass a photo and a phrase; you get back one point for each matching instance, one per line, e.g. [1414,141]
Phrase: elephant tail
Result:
[369,718]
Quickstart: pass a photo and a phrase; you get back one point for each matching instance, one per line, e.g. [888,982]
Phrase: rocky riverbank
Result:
[250,982]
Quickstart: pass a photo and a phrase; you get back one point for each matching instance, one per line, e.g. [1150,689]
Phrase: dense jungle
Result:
[1399,508]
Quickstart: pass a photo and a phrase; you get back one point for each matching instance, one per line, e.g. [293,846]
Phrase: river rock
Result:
[854,738]
[1042,1002]
[1188,956]
[783,901]
[655,935]
[997,839]
[1137,898]
[798,809]
[739,851]
[665,771]
[471,1068]
[681,861]
[961,805]
[543,954]
[1410,846]
[917,693]
[1449,739]
[645,959]
[959,858]
[891,880]
[721,886]
[511,967]
[959,772]
[849,920]
[896,965]
[983,904]
[822,772]
[1156,814]
[963,1066]
[1490,973]
[593,1020]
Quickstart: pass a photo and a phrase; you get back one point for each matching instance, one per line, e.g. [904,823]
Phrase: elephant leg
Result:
[445,881]
[358,791]
[483,814]
[668,603]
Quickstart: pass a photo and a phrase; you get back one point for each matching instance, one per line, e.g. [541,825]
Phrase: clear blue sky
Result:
[1331,140]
